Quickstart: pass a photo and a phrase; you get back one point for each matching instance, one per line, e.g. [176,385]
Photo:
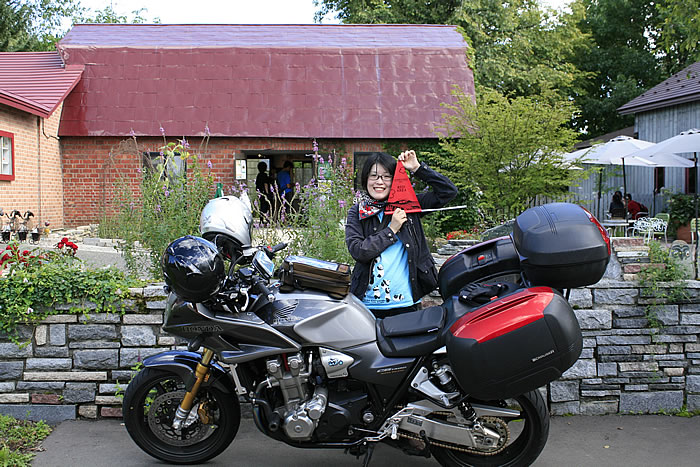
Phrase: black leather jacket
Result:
[367,238]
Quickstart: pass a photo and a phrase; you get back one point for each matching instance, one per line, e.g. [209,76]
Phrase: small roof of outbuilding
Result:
[298,81]
[680,88]
[36,82]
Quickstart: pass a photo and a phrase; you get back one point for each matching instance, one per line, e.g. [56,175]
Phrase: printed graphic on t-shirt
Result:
[389,285]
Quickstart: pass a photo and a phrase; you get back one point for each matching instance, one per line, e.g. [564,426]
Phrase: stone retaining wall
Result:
[76,365]
[640,355]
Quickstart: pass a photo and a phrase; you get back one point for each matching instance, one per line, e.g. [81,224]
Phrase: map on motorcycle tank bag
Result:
[402,194]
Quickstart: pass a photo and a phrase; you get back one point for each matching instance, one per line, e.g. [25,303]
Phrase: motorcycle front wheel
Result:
[150,403]
[528,435]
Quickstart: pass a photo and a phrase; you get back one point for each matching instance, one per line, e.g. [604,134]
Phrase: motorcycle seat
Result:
[411,334]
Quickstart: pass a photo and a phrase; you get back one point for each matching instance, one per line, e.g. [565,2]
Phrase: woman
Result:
[394,268]
[262,186]
[617,207]
[635,210]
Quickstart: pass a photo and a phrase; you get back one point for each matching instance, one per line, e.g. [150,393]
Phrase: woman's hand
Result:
[410,160]
[397,220]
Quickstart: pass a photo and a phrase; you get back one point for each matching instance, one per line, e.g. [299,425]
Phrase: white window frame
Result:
[7,156]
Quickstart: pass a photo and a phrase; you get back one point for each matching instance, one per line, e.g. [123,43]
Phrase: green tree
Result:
[389,11]
[621,62]
[30,25]
[15,21]
[680,33]
[518,47]
[110,15]
[510,148]
[35,25]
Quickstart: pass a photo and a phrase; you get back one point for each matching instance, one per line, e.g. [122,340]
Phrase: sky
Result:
[227,11]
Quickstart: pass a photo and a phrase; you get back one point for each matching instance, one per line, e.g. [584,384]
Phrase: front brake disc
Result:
[160,418]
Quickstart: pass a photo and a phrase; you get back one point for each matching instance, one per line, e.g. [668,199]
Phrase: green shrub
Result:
[18,438]
[34,281]
[166,205]
[681,208]
[664,284]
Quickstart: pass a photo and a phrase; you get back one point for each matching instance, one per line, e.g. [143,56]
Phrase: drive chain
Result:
[456,447]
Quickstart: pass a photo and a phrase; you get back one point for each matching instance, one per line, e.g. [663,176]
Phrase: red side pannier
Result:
[514,344]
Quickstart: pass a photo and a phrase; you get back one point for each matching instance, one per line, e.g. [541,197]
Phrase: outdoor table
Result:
[614,225]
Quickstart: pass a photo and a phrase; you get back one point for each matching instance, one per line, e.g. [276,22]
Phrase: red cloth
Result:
[633,208]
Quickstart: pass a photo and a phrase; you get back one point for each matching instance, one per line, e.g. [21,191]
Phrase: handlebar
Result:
[265,291]
[270,251]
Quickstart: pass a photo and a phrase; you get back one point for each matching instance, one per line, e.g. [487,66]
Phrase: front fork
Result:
[201,373]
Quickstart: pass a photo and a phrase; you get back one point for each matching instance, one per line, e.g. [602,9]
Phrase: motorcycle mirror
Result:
[263,264]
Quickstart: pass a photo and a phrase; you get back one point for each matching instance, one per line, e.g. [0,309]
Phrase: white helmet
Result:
[227,221]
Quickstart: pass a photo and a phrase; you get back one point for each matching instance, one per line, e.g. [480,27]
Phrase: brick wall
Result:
[74,365]
[92,166]
[37,185]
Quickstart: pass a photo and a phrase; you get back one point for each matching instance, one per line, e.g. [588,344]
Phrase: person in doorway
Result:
[394,267]
[617,207]
[262,186]
[635,210]
[284,181]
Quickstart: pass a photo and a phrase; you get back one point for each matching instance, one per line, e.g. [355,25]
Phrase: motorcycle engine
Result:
[300,412]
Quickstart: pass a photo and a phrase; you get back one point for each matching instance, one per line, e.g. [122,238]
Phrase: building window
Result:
[7,153]
[659,179]
[690,179]
[176,166]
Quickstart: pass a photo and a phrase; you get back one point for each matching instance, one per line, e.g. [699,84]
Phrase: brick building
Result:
[261,92]
[32,89]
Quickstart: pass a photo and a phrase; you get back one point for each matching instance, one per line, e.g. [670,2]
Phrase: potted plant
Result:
[681,209]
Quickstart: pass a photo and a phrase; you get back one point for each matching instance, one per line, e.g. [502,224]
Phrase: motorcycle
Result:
[458,381]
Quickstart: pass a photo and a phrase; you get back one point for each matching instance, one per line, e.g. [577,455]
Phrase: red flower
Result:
[60,245]
[25,252]
[64,240]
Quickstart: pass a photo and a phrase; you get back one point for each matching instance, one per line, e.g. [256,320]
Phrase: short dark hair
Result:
[628,196]
[262,166]
[381,158]
[287,164]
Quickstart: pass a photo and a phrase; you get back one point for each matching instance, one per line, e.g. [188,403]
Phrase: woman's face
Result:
[379,182]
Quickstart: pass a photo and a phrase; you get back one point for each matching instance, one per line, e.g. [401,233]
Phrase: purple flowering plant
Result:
[173,189]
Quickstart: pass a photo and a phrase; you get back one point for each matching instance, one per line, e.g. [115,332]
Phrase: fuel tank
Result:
[313,318]
[237,337]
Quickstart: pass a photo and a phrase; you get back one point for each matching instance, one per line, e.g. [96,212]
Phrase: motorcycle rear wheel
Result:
[149,405]
[530,432]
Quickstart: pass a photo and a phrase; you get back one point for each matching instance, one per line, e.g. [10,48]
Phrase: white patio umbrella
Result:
[684,143]
[615,152]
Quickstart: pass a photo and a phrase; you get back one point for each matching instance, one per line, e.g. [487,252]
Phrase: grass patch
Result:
[19,439]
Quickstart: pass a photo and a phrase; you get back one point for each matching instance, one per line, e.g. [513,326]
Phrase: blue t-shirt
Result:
[389,285]
[283,179]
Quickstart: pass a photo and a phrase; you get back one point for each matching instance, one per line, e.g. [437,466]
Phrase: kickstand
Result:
[368,455]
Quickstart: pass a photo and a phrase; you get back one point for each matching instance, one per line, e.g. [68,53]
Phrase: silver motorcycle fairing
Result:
[320,320]
[335,363]
[236,337]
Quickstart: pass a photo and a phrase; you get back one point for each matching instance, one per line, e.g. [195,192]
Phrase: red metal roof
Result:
[36,82]
[324,81]
[680,88]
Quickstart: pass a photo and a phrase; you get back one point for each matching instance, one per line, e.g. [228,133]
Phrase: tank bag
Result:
[302,272]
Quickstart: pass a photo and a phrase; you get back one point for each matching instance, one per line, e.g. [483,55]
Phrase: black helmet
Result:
[193,268]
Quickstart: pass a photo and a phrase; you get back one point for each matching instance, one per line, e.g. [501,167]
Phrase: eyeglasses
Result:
[375,177]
